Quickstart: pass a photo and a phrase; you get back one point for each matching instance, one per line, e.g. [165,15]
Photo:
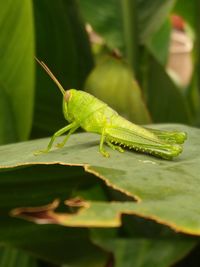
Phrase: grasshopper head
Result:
[70,96]
[67,96]
[72,103]
[68,113]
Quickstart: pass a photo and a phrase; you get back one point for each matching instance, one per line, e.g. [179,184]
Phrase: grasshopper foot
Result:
[105,153]
[118,148]
[39,152]
[114,147]
[60,145]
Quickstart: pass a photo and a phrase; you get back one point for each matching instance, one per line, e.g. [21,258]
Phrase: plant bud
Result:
[112,82]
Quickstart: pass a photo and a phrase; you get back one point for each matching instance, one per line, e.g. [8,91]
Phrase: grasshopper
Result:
[83,110]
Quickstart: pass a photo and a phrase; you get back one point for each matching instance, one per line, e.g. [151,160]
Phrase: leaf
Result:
[166,190]
[143,243]
[190,13]
[133,25]
[53,243]
[68,56]
[10,257]
[150,16]
[153,15]
[161,186]
[158,44]
[165,100]
[16,70]
[186,9]
[141,252]
[100,14]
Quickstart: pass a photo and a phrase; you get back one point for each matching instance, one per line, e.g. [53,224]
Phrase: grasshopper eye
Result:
[67,95]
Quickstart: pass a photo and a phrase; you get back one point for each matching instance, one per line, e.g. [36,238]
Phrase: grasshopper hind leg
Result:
[174,137]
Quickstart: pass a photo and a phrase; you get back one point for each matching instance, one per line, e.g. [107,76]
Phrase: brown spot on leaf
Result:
[77,202]
[41,215]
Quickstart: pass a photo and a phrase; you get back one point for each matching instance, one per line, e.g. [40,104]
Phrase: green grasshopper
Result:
[93,115]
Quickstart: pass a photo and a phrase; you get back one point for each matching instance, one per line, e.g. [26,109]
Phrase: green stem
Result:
[129,16]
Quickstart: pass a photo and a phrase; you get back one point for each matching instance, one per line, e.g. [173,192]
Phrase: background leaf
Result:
[10,257]
[158,44]
[16,70]
[186,10]
[150,16]
[141,252]
[52,243]
[165,100]
[67,55]
[141,242]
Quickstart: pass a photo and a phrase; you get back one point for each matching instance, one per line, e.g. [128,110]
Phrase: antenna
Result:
[44,66]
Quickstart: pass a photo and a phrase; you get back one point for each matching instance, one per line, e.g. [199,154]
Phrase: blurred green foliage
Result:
[123,62]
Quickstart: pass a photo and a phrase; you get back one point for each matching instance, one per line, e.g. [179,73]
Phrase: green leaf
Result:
[63,45]
[16,70]
[189,11]
[131,23]
[150,16]
[158,44]
[100,14]
[165,100]
[10,257]
[143,243]
[186,9]
[141,252]
[167,190]
[52,243]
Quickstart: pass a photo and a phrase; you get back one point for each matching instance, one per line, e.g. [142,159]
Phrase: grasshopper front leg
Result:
[71,128]
[60,145]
